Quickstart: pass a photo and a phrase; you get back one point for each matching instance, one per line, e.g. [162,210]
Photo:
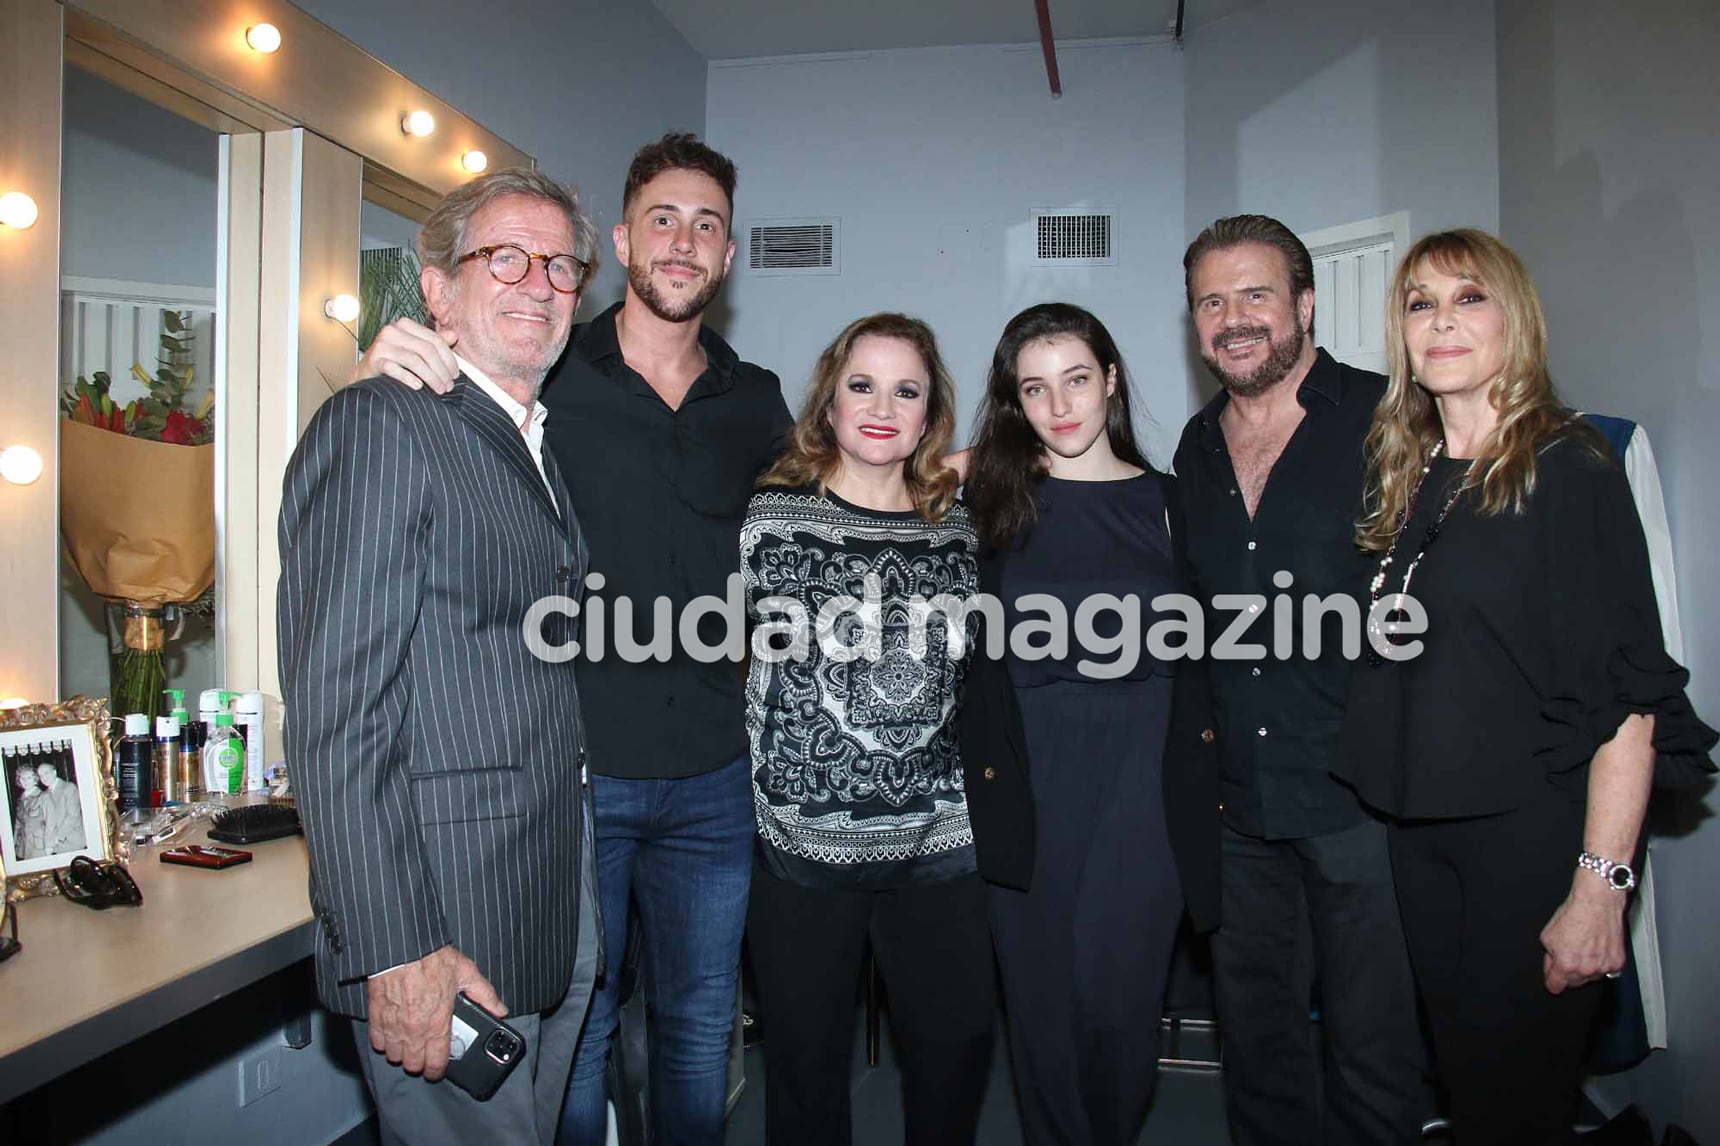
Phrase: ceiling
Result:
[737,29]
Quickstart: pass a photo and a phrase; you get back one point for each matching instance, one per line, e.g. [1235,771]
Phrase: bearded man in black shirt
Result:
[1271,476]
[661,430]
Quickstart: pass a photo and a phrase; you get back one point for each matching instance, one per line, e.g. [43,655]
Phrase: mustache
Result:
[1240,334]
[684,264]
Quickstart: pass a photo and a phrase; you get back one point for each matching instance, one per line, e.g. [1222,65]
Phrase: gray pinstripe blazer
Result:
[437,762]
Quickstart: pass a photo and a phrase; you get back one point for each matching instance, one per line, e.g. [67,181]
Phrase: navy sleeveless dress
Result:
[1084,953]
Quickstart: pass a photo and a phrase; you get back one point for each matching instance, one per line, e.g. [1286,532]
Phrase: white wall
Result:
[578,84]
[934,160]
[1609,180]
[1329,113]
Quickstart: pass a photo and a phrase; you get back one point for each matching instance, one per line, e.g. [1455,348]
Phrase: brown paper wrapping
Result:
[138,516]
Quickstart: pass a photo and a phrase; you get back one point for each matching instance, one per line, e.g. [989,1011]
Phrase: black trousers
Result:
[1084,953]
[933,947]
[1476,894]
[1294,909]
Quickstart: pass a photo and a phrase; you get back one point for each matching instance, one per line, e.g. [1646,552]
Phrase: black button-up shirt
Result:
[1278,719]
[659,494]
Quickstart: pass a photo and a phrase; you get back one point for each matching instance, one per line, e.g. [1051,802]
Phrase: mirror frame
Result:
[311,130]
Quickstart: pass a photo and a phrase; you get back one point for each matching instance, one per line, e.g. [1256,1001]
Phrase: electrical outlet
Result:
[259,1074]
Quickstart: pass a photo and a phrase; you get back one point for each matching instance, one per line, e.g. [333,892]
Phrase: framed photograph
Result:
[58,792]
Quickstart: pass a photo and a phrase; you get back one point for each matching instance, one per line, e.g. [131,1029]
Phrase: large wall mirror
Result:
[202,199]
[140,223]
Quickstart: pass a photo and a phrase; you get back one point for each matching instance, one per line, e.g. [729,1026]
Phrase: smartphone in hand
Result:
[482,1049]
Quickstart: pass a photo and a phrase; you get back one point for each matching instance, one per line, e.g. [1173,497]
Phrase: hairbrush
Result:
[255,823]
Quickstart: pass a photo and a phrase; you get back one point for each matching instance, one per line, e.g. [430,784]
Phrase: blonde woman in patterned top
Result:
[862,819]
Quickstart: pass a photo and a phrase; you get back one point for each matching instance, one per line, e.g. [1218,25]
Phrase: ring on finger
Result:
[1613,974]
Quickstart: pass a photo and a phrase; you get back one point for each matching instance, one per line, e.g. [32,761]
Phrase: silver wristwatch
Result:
[1619,876]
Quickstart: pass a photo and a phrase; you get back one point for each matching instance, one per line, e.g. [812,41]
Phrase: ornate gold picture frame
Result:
[58,793]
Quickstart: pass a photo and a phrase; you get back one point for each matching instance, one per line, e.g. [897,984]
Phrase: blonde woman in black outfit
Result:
[1089,796]
[1514,755]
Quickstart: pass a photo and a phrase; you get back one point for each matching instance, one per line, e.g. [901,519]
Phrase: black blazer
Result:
[994,761]
[436,759]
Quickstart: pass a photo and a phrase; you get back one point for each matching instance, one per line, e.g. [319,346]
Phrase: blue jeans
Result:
[680,851]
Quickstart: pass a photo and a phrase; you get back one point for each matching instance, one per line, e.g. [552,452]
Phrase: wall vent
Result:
[1071,237]
[794,247]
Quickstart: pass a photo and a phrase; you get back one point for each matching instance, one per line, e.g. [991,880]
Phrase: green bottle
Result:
[224,758]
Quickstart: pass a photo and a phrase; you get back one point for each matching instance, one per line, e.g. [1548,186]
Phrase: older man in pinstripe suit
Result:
[439,764]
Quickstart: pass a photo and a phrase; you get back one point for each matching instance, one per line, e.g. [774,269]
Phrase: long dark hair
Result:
[1006,463]
[811,456]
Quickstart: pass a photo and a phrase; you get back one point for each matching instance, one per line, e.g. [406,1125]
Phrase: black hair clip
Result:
[98,884]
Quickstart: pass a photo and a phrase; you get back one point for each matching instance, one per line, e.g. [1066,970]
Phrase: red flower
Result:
[180,428]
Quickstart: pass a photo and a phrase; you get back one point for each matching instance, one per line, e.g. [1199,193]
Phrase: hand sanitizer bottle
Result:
[224,758]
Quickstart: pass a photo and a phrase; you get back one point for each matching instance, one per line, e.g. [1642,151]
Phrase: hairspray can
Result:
[165,769]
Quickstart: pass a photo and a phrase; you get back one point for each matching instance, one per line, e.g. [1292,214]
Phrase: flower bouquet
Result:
[137,507]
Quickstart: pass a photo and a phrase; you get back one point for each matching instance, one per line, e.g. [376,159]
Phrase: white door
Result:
[1353,265]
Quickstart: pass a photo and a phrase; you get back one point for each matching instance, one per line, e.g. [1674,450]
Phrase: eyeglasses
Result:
[509,264]
[98,885]
[9,945]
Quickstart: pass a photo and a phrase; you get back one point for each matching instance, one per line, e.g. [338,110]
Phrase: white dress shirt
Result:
[528,422]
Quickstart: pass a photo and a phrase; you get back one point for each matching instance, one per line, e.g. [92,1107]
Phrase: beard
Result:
[678,307]
[1283,358]
[523,362]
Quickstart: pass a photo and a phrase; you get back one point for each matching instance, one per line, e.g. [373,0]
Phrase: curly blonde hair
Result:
[1406,425]
[811,456]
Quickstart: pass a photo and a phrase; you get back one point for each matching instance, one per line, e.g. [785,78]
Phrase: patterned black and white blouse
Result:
[857,777]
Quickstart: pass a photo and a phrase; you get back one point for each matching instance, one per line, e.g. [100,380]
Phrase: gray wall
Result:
[578,84]
[139,200]
[934,161]
[1330,113]
[1609,182]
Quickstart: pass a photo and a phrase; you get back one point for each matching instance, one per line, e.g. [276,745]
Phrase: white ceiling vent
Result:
[794,247]
[1071,237]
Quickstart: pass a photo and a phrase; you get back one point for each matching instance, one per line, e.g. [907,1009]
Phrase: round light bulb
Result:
[13,702]
[17,210]
[474,161]
[419,123]
[263,38]
[342,308]
[20,465]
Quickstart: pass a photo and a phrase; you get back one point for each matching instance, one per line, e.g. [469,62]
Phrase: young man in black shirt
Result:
[660,429]
[1271,476]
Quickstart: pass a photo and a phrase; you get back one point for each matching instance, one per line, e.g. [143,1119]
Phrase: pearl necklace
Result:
[1377,629]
